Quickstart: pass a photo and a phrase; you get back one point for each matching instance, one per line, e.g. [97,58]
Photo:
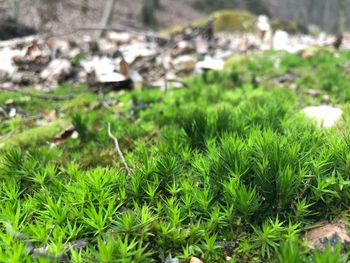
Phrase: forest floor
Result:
[227,169]
[126,13]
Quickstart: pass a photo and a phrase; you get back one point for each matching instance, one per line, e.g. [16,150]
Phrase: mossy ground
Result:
[226,167]
[232,20]
[228,20]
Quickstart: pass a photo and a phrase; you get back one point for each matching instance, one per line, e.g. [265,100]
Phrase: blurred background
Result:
[21,17]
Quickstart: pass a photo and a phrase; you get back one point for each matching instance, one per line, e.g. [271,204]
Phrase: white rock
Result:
[57,70]
[280,40]
[105,69]
[325,115]
[337,231]
[59,44]
[99,65]
[107,47]
[13,113]
[137,50]
[195,260]
[263,23]
[6,60]
[185,63]
[202,47]
[137,79]
[210,63]
[110,77]
[119,37]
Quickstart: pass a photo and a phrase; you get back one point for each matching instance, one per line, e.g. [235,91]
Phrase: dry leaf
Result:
[124,68]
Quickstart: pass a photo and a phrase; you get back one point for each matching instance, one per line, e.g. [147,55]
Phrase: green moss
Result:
[233,20]
[236,60]
[225,20]
[34,136]
[226,167]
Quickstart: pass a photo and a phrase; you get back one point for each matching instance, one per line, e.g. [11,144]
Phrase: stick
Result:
[116,144]
[49,235]
[39,96]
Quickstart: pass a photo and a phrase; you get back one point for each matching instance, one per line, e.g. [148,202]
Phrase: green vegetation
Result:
[230,20]
[233,20]
[226,167]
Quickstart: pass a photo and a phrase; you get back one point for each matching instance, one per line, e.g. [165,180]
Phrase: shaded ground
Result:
[9,29]
[68,14]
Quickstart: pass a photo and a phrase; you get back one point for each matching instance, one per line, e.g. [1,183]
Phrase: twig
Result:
[116,144]
[49,235]
[39,96]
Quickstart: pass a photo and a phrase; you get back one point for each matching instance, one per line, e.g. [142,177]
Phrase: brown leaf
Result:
[124,68]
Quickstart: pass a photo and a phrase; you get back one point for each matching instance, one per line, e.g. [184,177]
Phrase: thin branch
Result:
[49,235]
[116,144]
[39,96]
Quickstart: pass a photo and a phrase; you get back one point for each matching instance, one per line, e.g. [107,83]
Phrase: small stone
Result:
[98,65]
[195,260]
[210,63]
[24,78]
[58,70]
[75,135]
[7,67]
[280,40]
[137,79]
[119,37]
[12,113]
[333,233]
[325,115]
[263,23]
[107,47]
[185,63]
[78,244]
[172,260]
[61,47]
[111,77]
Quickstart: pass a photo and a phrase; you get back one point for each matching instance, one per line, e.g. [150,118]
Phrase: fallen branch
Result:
[39,96]
[116,144]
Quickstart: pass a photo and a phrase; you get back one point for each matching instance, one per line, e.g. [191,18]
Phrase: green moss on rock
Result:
[34,136]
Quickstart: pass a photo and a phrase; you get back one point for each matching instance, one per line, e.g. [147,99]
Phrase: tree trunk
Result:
[147,13]
[107,15]
[341,16]
[15,10]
